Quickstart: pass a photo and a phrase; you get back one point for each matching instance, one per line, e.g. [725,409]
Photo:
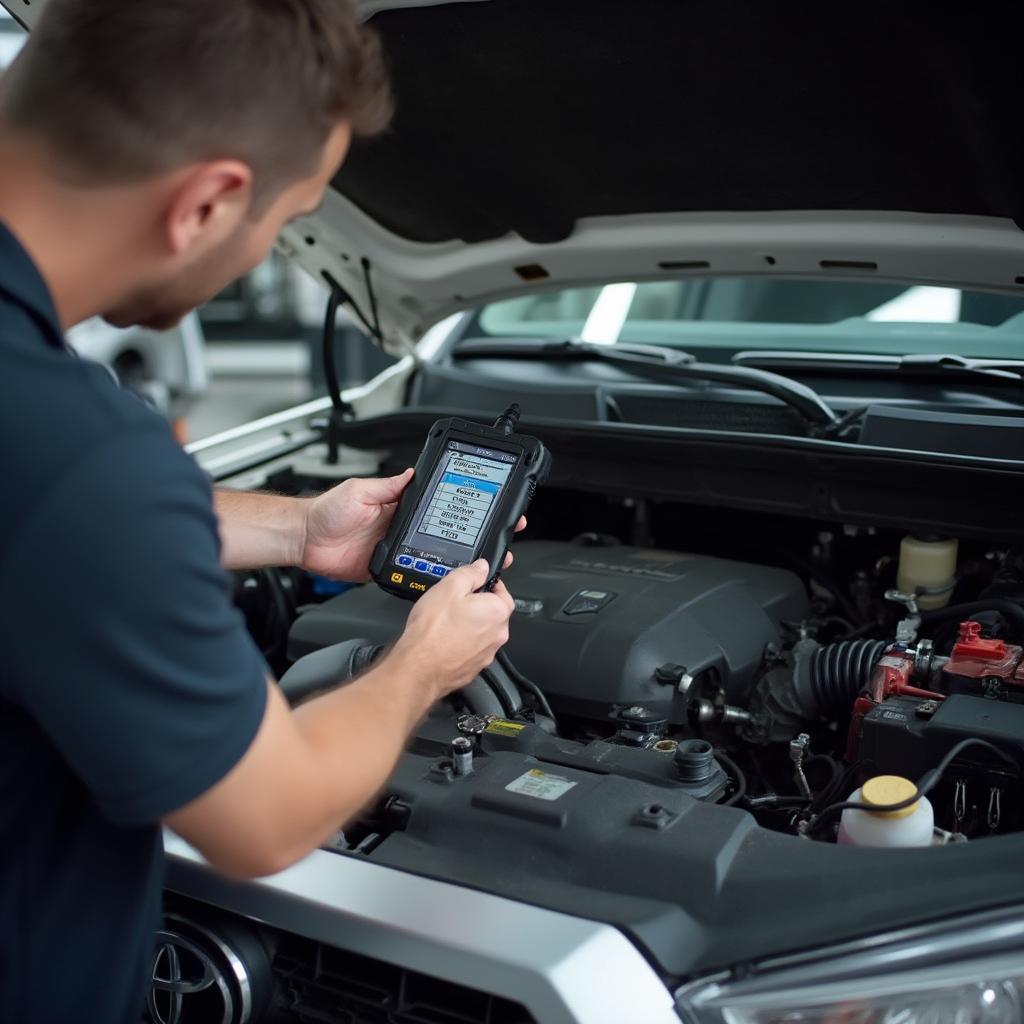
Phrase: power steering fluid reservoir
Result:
[911,826]
[930,564]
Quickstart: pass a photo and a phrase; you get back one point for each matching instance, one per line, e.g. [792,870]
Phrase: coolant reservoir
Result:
[930,564]
[912,826]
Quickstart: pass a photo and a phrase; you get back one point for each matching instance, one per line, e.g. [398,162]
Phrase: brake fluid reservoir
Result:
[912,826]
[930,564]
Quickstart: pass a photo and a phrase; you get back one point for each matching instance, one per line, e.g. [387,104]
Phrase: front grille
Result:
[318,983]
[295,980]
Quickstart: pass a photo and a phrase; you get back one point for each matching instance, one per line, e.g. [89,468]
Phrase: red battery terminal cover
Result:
[975,657]
[890,677]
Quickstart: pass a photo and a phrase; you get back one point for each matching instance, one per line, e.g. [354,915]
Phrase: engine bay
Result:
[671,676]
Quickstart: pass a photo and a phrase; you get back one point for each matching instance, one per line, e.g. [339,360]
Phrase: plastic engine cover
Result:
[593,624]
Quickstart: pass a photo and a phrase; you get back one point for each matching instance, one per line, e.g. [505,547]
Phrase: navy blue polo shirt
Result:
[128,684]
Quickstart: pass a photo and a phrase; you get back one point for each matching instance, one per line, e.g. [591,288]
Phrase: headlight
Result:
[964,989]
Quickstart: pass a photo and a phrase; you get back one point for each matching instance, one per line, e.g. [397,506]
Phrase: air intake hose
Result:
[829,678]
[327,668]
[491,693]
[813,681]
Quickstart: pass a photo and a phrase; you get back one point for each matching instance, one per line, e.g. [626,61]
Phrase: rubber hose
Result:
[1010,610]
[840,671]
[481,699]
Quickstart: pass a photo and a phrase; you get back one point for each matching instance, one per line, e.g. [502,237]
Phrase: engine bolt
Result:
[462,755]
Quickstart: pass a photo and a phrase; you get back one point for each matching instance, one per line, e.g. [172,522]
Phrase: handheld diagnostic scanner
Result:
[472,484]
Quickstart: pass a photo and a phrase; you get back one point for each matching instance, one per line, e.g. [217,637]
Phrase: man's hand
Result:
[344,525]
[455,630]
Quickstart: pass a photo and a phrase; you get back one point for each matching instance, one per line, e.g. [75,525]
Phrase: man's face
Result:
[161,304]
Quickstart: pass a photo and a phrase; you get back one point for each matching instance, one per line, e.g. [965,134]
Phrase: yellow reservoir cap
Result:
[889,789]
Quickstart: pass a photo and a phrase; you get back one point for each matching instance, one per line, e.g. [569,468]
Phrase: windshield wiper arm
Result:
[927,365]
[662,362]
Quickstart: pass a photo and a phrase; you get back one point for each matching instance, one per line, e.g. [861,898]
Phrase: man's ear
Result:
[207,205]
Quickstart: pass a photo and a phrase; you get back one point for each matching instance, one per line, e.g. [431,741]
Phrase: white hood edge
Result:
[417,284]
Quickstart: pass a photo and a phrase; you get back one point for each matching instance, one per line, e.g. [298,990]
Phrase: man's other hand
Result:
[345,524]
[456,630]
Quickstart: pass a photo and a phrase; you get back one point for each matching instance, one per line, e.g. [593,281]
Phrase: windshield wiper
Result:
[929,365]
[661,362]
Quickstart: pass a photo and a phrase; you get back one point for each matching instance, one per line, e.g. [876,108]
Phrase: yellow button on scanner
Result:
[889,789]
[397,577]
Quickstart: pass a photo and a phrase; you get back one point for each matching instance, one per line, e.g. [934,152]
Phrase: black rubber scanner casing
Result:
[530,471]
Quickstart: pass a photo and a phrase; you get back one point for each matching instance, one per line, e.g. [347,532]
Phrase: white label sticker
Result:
[540,785]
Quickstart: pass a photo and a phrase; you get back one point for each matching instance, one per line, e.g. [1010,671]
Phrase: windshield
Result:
[768,312]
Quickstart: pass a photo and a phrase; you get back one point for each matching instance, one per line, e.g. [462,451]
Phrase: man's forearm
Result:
[259,530]
[356,734]
[351,739]
[307,772]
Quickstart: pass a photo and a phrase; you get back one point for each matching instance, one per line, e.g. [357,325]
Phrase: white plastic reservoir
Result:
[912,826]
[930,565]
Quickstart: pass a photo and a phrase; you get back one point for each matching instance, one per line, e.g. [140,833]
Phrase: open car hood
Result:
[546,143]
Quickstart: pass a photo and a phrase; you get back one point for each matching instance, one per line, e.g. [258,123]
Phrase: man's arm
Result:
[309,771]
[305,773]
[333,534]
[260,530]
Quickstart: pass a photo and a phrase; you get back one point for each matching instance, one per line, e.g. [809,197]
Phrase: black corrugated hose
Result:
[840,671]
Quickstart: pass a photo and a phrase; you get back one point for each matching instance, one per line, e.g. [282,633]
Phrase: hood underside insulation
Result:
[526,115]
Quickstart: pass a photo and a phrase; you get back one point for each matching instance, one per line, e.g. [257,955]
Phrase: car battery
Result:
[907,736]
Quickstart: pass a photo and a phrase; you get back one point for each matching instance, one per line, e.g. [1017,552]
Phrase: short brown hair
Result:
[125,89]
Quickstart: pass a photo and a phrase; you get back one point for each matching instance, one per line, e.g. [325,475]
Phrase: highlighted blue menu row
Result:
[470,481]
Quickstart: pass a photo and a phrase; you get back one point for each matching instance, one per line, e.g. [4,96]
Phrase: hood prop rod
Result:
[341,411]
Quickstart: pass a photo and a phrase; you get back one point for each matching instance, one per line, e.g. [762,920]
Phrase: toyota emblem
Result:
[186,985]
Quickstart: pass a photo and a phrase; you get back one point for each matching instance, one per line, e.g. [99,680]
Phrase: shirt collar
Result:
[21,282]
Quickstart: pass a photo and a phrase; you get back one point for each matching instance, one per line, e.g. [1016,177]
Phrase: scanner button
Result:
[422,566]
[439,570]
[404,560]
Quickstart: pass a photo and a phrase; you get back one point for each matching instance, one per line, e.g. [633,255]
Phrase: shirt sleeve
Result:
[129,652]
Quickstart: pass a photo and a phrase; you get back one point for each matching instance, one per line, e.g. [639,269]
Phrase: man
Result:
[149,153]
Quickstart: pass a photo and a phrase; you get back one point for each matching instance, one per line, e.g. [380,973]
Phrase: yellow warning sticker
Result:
[500,727]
